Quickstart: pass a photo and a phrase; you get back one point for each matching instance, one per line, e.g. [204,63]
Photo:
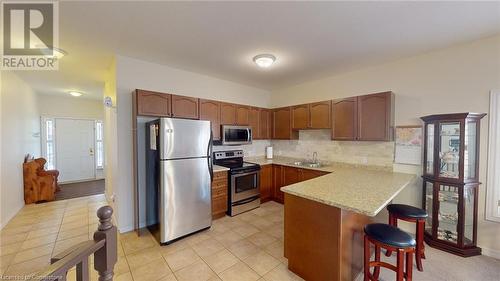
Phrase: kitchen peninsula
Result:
[325,216]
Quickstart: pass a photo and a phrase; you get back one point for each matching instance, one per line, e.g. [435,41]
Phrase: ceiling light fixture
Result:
[264,60]
[52,52]
[75,93]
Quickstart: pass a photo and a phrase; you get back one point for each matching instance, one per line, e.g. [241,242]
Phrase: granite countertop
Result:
[218,168]
[361,189]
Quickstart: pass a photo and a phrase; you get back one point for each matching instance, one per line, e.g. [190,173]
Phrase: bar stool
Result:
[410,214]
[390,238]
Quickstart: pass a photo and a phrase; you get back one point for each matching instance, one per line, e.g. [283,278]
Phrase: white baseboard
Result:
[490,252]
[126,228]
[12,215]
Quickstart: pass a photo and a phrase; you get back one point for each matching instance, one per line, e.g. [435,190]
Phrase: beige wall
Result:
[67,106]
[20,128]
[456,79]
[134,74]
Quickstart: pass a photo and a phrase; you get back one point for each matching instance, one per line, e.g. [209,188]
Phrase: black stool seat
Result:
[407,211]
[389,235]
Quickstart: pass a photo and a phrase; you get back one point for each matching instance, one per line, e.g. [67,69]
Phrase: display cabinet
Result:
[450,181]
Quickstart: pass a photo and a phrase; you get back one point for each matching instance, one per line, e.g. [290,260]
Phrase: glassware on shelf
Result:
[429,165]
[447,235]
[449,149]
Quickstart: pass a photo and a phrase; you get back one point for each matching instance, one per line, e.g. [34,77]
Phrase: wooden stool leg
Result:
[366,259]
[400,265]
[392,221]
[376,271]
[419,251]
[409,266]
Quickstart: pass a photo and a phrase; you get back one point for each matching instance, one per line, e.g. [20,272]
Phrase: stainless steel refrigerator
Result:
[178,177]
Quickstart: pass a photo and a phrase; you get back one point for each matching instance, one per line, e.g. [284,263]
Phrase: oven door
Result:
[236,135]
[244,185]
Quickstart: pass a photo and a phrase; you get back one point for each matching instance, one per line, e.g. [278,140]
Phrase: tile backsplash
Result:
[354,152]
[257,148]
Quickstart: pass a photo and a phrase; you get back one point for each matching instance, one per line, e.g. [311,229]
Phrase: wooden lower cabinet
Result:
[283,176]
[306,174]
[219,194]
[291,175]
[278,182]
[266,183]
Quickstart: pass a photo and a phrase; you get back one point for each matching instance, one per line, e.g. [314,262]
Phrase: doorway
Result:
[74,147]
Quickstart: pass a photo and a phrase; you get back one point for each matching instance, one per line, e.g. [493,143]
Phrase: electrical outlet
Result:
[364,160]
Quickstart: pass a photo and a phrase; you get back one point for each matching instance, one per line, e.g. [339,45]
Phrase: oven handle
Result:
[249,138]
[240,174]
[245,201]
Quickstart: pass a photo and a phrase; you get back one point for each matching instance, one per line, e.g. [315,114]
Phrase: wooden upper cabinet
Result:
[265,124]
[282,123]
[227,114]
[345,119]
[376,117]
[153,103]
[185,107]
[320,115]
[242,112]
[300,117]
[254,122]
[210,110]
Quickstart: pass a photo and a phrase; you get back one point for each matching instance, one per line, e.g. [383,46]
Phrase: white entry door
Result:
[75,146]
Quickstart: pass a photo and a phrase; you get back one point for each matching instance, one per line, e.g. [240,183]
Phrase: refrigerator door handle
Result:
[209,157]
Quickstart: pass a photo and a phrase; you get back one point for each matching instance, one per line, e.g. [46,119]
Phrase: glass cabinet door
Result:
[429,201]
[469,201]
[449,148]
[470,150]
[448,213]
[429,165]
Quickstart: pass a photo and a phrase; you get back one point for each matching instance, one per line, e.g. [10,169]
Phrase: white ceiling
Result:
[310,39]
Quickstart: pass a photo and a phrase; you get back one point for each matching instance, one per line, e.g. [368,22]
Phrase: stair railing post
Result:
[106,257]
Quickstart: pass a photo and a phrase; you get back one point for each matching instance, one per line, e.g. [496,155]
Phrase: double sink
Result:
[307,164]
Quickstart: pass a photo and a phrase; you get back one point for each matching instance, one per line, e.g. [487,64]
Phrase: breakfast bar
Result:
[325,216]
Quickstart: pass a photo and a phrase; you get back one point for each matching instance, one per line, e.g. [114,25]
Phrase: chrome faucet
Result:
[315,157]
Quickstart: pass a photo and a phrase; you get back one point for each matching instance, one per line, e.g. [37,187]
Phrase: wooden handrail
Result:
[104,248]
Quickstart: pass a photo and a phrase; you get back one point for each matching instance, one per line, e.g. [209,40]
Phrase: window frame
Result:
[493,177]
[44,142]
[97,141]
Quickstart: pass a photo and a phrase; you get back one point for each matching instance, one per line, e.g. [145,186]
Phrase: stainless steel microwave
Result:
[236,135]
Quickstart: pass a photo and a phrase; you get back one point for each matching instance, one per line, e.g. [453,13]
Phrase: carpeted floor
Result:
[80,189]
[441,266]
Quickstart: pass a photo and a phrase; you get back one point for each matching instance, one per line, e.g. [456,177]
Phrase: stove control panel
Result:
[228,154]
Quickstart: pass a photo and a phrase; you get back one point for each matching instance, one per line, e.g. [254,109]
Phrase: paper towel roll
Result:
[269,152]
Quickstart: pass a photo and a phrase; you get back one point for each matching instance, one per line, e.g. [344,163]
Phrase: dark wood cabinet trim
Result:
[163,105]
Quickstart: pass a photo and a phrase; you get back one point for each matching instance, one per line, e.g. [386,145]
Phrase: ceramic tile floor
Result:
[247,247]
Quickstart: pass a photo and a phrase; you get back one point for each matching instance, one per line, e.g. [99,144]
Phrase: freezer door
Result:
[181,138]
[185,197]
